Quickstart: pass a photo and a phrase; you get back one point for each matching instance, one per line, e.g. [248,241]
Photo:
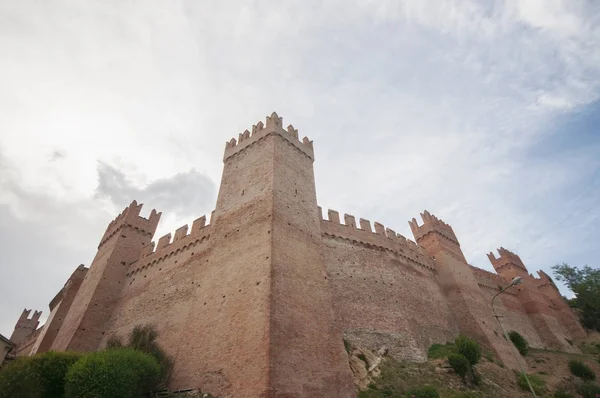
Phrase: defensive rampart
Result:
[385,289]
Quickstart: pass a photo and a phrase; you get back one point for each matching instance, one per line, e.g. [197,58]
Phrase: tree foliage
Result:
[585,283]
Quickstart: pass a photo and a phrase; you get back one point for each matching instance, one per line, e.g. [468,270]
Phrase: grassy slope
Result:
[549,369]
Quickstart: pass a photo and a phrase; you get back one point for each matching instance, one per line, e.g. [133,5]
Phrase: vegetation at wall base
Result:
[460,364]
[440,351]
[423,392]
[519,341]
[20,379]
[143,338]
[42,375]
[119,372]
[537,383]
[468,348]
[588,389]
[581,370]
[562,393]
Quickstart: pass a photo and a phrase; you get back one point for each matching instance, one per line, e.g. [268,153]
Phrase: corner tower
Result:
[508,265]
[265,294]
[436,236]
[468,304]
[25,326]
[84,324]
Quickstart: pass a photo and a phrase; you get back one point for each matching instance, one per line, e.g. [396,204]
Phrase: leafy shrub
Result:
[468,348]
[52,368]
[537,383]
[42,375]
[460,364]
[588,389]
[20,379]
[519,342]
[423,392]
[122,372]
[562,393]
[143,338]
[581,370]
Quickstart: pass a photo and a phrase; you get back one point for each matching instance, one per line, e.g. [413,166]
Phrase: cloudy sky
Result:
[486,113]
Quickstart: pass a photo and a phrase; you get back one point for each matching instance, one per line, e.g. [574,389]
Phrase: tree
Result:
[585,283]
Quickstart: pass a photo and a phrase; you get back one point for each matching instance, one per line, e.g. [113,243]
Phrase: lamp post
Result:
[516,281]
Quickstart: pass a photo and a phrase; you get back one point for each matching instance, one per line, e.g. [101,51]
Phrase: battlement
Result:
[24,318]
[507,258]
[432,224]
[381,237]
[489,279]
[183,238]
[274,125]
[545,281]
[130,218]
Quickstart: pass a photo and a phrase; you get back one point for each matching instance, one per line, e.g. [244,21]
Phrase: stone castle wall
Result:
[256,303]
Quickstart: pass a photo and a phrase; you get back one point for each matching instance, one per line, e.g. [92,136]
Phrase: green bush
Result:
[562,393]
[123,372]
[143,338]
[588,389]
[537,383]
[468,348]
[42,375]
[53,367]
[519,342]
[423,392]
[581,370]
[460,364]
[20,379]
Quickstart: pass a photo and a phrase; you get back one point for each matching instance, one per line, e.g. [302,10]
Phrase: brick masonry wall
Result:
[383,300]
[59,312]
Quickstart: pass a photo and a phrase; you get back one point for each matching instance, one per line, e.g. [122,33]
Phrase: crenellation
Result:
[333,216]
[349,220]
[198,225]
[382,237]
[164,241]
[391,234]
[379,228]
[365,225]
[432,224]
[130,218]
[292,131]
[180,233]
[260,131]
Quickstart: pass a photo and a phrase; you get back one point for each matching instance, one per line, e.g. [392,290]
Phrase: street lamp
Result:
[516,281]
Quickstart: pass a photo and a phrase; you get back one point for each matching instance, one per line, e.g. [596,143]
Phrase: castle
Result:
[258,302]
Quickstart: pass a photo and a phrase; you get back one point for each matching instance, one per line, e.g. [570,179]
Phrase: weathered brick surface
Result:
[59,308]
[256,303]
